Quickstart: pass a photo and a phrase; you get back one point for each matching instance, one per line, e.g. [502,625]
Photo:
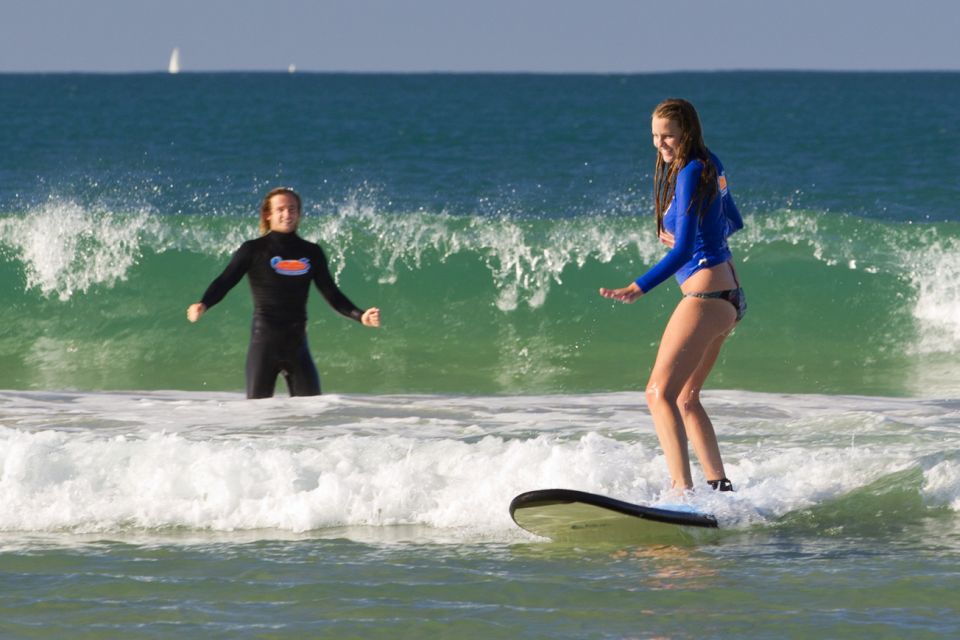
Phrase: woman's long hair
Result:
[691,147]
[265,206]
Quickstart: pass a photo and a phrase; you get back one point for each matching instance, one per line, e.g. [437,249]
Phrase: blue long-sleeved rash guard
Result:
[699,242]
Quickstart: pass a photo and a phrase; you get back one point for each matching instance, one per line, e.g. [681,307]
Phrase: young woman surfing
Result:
[695,214]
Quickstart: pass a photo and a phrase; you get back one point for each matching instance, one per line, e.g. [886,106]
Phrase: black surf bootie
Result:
[720,485]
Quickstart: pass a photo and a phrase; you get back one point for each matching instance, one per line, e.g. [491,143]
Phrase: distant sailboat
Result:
[174,66]
[292,68]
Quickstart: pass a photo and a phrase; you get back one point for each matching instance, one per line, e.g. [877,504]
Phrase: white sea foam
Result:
[214,462]
[66,249]
[935,273]
[942,484]
[523,259]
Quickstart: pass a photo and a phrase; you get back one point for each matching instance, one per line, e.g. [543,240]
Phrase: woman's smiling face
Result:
[666,138]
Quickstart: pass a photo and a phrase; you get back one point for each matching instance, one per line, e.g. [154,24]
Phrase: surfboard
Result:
[566,515]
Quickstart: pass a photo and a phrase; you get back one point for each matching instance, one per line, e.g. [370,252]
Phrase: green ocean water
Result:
[471,304]
[366,591]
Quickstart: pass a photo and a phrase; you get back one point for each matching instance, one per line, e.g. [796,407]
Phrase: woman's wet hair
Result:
[691,146]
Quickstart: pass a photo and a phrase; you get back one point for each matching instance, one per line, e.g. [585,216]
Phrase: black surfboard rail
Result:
[547,497]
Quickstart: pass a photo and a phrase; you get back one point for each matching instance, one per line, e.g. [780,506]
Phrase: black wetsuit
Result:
[280,268]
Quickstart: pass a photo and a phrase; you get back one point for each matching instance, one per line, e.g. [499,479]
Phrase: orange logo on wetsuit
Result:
[722,183]
[290,266]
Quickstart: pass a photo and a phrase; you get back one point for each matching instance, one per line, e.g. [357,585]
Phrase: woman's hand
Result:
[630,293]
[371,317]
[194,311]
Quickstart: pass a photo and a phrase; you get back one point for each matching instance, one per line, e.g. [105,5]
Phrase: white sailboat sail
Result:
[174,66]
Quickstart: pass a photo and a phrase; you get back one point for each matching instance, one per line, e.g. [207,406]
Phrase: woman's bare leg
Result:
[696,422]
[694,327]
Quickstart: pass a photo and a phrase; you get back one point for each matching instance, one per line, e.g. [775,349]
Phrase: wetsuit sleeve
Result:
[239,265]
[331,293]
[684,235]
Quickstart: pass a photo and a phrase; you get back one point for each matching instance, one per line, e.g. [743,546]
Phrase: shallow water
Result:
[166,513]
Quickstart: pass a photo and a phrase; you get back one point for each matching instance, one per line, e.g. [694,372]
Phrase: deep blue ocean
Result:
[142,496]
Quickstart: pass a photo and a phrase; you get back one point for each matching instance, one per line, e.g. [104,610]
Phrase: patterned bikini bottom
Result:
[735,297]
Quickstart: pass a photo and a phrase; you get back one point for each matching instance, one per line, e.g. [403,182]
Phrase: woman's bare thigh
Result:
[690,335]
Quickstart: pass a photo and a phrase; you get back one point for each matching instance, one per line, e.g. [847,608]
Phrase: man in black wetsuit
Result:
[280,266]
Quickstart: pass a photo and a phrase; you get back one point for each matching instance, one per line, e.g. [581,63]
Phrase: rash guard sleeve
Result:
[730,210]
[684,233]
[239,265]
[732,213]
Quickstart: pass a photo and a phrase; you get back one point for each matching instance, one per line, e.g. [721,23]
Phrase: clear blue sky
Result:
[479,35]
